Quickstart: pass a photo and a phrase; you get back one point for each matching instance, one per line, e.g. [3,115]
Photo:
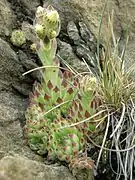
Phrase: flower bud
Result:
[40,11]
[40,31]
[49,20]
[52,34]
[52,15]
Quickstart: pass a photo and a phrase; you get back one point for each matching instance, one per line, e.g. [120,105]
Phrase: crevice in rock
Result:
[22,14]
[63,36]
[41,2]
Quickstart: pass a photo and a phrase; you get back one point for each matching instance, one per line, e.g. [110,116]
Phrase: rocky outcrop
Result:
[20,168]
[7,18]
[89,12]
[77,40]
[11,69]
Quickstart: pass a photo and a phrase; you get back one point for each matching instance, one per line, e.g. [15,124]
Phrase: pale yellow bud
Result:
[40,11]
[52,34]
[33,47]
[52,16]
[40,31]
[47,22]
[18,38]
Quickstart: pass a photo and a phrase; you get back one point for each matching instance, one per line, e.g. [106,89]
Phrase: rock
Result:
[70,58]
[21,168]
[2,154]
[28,29]
[89,12]
[83,51]
[31,5]
[87,36]
[83,42]
[73,32]
[10,67]
[11,71]
[29,64]
[7,18]
[12,108]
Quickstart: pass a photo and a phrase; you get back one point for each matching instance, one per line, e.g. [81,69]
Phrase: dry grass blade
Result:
[68,66]
[103,143]
[86,120]
[125,146]
[55,107]
[120,121]
[117,88]
[43,67]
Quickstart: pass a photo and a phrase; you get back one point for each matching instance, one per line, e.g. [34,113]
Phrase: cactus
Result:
[61,99]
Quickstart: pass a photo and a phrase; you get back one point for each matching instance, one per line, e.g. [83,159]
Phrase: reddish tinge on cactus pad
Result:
[60,100]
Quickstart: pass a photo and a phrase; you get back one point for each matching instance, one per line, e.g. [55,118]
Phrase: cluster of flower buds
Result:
[47,23]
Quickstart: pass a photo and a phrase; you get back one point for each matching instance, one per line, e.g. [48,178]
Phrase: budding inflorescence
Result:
[47,23]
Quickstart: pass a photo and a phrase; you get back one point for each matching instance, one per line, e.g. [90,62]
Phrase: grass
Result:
[117,88]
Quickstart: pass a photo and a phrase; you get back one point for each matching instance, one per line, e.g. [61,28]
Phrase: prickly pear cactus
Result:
[60,100]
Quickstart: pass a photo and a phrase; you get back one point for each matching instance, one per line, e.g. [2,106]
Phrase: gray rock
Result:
[73,32]
[7,18]
[21,168]
[31,5]
[86,35]
[29,64]
[11,70]
[83,42]
[70,57]
[9,64]
[12,108]
[28,30]
[83,51]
